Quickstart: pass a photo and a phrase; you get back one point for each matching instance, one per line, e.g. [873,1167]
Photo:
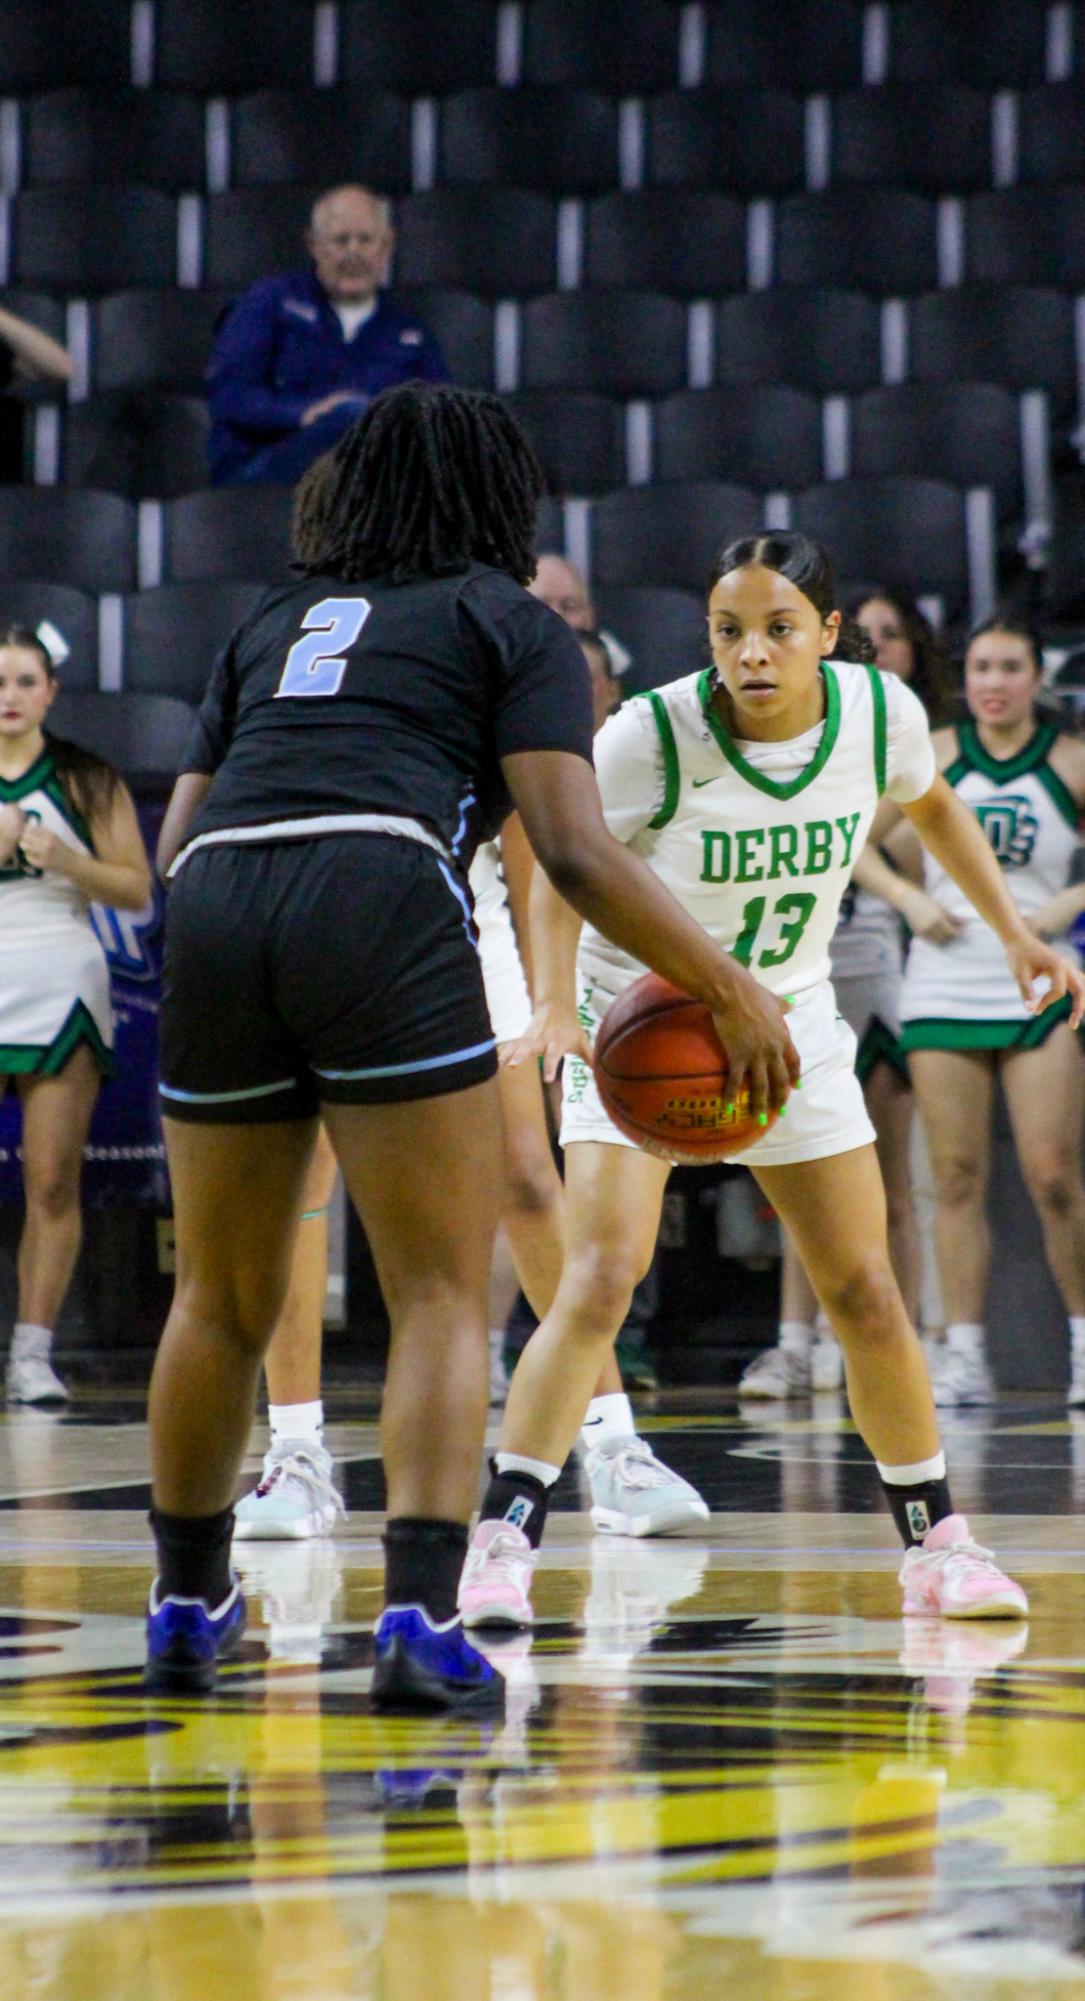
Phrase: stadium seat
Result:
[27,601]
[928,136]
[621,343]
[580,440]
[1064,578]
[330,135]
[172,634]
[463,324]
[818,46]
[161,337]
[84,539]
[912,528]
[826,341]
[93,239]
[765,434]
[663,629]
[52,44]
[495,241]
[747,142]
[1051,133]
[140,442]
[142,736]
[413,47]
[550,530]
[669,240]
[878,240]
[246,45]
[137,136]
[965,433]
[1020,336]
[1027,236]
[230,532]
[541,136]
[968,41]
[669,534]
[602,44]
[251,232]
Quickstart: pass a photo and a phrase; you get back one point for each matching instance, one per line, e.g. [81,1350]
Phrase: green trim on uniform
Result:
[47,1059]
[954,772]
[940,1032]
[13,789]
[775,790]
[1004,771]
[1060,795]
[881,728]
[880,1045]
[672,773]
[55,791]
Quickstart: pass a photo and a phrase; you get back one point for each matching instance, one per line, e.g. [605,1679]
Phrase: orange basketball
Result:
[662,1074]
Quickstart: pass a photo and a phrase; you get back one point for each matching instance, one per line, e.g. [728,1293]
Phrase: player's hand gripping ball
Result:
[663,1076]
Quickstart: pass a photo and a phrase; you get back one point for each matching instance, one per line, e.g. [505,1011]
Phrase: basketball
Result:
[662,1074]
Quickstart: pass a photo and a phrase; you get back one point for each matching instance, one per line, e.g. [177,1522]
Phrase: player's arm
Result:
[954,837]
[556,1031]
[189,792]
[117,874]
[38,357]
[518,868]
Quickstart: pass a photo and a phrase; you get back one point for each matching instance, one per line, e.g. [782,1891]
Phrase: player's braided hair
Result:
[806,565]
[429,480]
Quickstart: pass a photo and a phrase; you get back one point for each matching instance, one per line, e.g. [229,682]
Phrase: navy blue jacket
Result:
[281,348]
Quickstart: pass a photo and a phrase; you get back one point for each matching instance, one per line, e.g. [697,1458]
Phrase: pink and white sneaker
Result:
[495,1589]
[951,1576]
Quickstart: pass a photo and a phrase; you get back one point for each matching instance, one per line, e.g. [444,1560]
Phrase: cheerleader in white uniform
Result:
[69,837]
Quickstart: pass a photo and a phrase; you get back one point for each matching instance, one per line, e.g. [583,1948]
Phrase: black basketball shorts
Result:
[342,968]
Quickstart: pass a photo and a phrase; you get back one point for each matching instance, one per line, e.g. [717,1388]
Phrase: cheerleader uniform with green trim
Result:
[54,980]
[963,995]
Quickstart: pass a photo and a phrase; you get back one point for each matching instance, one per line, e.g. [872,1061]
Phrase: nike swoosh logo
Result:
[698,782]
[591,1420]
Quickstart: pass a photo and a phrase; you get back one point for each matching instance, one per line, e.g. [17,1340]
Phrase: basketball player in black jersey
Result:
[367,721]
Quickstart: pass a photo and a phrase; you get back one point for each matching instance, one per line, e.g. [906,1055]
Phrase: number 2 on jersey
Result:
[315,664]
[799,907]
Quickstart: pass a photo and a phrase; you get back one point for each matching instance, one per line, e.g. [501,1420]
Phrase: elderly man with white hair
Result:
[300,355]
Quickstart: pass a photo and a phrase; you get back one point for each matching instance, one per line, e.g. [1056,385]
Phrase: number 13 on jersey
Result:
[316,665]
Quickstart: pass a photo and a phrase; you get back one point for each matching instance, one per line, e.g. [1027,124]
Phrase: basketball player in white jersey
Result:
[69,837]
[749,789]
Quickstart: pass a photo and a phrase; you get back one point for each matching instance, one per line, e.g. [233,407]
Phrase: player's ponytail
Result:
[806,565]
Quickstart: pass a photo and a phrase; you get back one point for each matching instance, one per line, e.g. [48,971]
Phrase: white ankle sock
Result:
[609,1416]
[518,1462]
[795,1336]
[966,1337]
[1077,1331]
[297,1420]
[28,1339]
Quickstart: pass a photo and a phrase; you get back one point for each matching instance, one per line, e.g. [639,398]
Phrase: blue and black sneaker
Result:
[185,1638]
[420,1666]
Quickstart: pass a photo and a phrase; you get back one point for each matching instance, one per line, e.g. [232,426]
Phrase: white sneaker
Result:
[633,1493]
[827,1363]
[295,1498]
[495,1588]
[963,1378]
[31,1378]
[1075,1395]
[777,1374]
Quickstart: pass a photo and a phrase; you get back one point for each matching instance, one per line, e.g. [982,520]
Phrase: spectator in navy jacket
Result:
[299,356]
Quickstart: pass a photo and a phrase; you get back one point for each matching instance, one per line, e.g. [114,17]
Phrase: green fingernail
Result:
[782,1113]
[762,1118]
[790,999]
[729,1111]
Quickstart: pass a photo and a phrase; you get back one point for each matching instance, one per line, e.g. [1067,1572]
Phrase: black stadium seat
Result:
[622,343]
[929,136]
[663,629]
[1027,236]
[1021,336]
[51,44]
[495,241]
[230,532]
[251,232]
[161,337]
[1001,47]
[827,341]
[878,240]
[1064,578]
[210,46]
[580,439]
[765,434]
[668,240]
[137,136]
[966,433]
[93,239]
[541,136]
[747,142]
[914,528]
[669,534]
[82,538]
[331,135]
[172,634]
[602,44]
[27,601]
[415,47]
[818,46]
[1051,133]
[462,323]
[140,442]
[142,736]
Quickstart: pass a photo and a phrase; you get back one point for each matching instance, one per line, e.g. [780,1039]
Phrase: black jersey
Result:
[337,698]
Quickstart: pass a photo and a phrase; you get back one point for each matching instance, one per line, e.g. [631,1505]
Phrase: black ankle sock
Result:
[422,1564]
[519,1499]
[917,1509]
[194,1555]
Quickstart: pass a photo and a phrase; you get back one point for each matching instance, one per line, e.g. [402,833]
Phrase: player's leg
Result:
[890,1102]
[835,1210]
[1045,1098]
[955,1093]
[296,1496]
[56,1120]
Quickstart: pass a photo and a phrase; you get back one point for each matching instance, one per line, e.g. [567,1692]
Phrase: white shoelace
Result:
[504,1547]
[308,1474]
[637,1466]
[956,1553]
